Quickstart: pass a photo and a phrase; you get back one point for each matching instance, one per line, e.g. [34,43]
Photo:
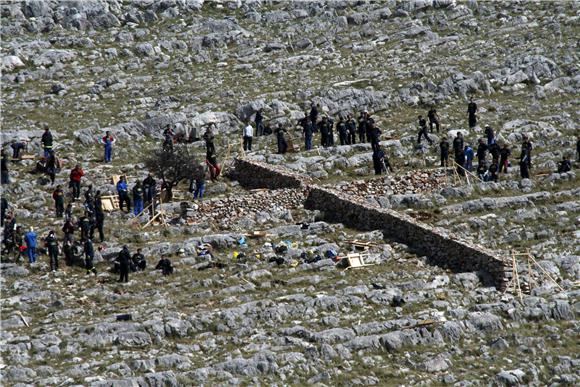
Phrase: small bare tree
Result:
[173,165]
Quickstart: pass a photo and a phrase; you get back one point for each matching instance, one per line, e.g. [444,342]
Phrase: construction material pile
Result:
[409,183]
[228,210]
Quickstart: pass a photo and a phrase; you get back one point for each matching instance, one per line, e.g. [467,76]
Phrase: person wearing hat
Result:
[51,245]
[30,239]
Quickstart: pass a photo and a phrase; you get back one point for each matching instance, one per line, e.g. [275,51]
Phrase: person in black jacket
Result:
[423,131]
[139,261]
[89,256]
[5,174]
[481,151]
[99,217]
[281,141]
[471,112]
[444,147]
[165,266]
[124,260]
[46,141]
[150,190]
[351,127]
[51,244]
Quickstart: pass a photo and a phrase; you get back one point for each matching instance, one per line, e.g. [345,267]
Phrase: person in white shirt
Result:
[248,134]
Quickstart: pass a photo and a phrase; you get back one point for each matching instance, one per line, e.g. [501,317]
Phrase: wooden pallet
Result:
[110,202]
[361,245]
[356,260]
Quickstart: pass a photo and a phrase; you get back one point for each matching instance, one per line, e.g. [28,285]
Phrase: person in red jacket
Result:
[75,181]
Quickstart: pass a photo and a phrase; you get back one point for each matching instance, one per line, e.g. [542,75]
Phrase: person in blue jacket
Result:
[108,140]
[123,192]
[468,151]
[30,239]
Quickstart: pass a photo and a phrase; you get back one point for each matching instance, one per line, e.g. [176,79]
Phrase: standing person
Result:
[67,249]
[330,126]
[281,141]
[458,145]
[527,149]
[481,151]
[75,181]
[248,133]
[84,226]
[99,217]
[323,128]
[68,212]
[138,198]
[124,259]
[351,127]
[199,183]
[58,196]
[18,243]
[504,154]
[5,175]
[525,158]
[30,239]
[444,149]
[46,141]
[374,135]
[150,190]
[123,193]
[259,121]
[52,246]
[494,151]
[578,149]
[342,131]
[471,112]
[208,136]
[51,166]
[433,119]
[68,229]
[314,113]
[4,208]
[489,134]
[423,131]
[108,140]
[362,126]
[89,251]
[168,136]
[380,161]
[468,162]
[307,131]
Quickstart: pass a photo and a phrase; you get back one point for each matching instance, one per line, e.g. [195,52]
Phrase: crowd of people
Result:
[77,246]
[492,157]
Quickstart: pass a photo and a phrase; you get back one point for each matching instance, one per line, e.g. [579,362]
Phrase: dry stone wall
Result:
[442,248]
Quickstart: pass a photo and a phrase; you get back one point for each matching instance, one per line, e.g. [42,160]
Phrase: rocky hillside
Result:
[275,308]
